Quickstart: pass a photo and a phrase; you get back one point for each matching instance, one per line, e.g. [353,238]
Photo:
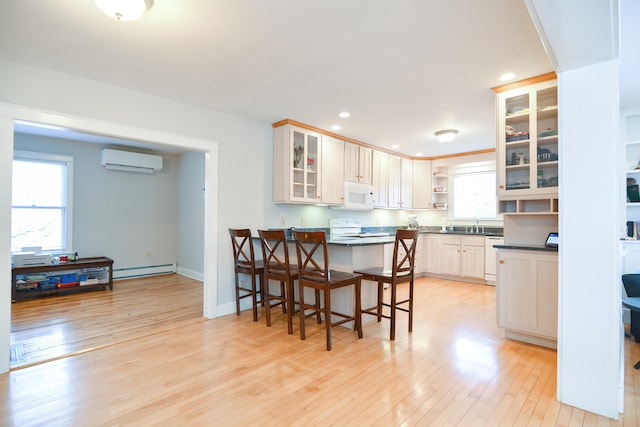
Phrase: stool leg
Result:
[327,316]
[237,294]
[302,316]
[410,305]
[254,297]
[380,299]
[267,304]
[392,316]
[358,308]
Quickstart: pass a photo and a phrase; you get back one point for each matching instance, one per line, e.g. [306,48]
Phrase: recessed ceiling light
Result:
[419,154]
[395,146]
[507,76]
[335,127]
[344,114]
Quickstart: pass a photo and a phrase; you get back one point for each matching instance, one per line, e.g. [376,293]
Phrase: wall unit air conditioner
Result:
[130,161]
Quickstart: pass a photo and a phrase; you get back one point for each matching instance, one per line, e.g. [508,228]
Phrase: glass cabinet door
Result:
[517,143]
[528,154]
[547,138]
[305,155]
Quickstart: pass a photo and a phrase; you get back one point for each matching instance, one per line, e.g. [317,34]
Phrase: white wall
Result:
[589,341]
[117,213]
[240,154]
[190,205]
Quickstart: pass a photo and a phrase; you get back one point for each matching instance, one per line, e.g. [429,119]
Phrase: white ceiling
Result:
[404,69]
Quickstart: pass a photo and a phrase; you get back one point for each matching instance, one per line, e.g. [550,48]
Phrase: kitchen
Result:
[50,91]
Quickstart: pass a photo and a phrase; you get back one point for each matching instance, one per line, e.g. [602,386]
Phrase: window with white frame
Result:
[474,194]
[41,201]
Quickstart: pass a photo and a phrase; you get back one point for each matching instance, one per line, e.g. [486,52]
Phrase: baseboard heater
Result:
[145,270]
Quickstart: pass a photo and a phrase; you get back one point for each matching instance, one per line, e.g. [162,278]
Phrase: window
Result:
[474,195]
[41,206]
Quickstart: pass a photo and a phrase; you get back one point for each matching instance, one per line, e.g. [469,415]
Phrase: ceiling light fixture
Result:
[507,76]
[446,135]
[335,127]
[344,114]
[395,146]
[124,10]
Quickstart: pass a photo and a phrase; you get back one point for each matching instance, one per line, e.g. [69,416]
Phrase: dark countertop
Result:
[523,247]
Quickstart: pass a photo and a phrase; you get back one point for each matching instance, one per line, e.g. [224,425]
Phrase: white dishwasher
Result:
[490,258]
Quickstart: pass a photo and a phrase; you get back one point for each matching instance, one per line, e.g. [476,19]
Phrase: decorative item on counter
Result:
[310,162]
[521,160]
[443,226]
[413,222]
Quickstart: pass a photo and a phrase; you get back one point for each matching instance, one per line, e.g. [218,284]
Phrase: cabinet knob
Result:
[501,261]
[501,187]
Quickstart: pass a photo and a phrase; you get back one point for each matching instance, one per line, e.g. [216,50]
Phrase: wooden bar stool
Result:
[245,263]
[404,254]
[313,267]
[275,256]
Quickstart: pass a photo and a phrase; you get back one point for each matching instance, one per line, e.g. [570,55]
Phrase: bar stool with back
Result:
[245,263]
[275,256]
[402,271]
[313,267]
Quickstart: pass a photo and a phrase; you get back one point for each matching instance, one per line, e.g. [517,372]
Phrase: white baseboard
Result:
[191,274]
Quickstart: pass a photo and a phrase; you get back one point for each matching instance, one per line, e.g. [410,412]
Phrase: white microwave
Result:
[358,196]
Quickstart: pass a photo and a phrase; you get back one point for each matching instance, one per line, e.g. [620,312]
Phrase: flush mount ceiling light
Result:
[124,10]
[446,135]
[507,76]
[344,114]
[335,127]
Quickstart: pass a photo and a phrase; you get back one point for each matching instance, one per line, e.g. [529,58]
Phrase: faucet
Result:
[476,227]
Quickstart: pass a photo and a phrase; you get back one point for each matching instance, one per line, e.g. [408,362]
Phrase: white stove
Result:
[346,228]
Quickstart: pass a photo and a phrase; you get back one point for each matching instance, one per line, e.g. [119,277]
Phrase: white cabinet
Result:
[395,178]
[472,257]
[332,171]
[430,258]
[527,295]
[449,255]
[406,183]
[528,140]
[422,254]
[421,193]
[357,163]
[380,179]
[296,165]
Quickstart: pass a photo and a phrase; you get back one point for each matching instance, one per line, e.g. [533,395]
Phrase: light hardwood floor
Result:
[455,369]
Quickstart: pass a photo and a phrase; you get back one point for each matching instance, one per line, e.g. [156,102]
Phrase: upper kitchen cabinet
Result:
[528,137]
[296,165]
[332,171]
[421,194]
[527,146]
[380,179]
[357,163]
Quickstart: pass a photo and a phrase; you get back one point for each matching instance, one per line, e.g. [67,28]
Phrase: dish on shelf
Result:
[440,189]
[440,205]
[547,132]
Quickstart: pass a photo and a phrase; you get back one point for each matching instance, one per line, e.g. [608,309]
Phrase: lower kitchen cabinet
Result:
[429,258]
[472,257]
[461,256]
[527,295]
[449,255]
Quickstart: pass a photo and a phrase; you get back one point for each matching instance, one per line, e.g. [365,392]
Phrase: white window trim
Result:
[67,195]
[464,169]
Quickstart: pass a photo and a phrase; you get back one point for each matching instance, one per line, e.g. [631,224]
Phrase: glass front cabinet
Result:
[296,165]
[528,139]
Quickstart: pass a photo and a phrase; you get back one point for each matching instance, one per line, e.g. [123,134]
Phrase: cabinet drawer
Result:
[449,239]
[473,240]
